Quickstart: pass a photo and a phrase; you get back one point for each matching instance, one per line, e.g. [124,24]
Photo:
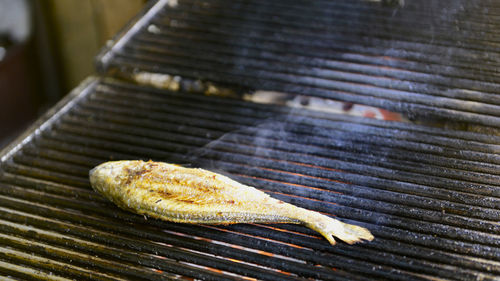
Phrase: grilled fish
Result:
[184,195]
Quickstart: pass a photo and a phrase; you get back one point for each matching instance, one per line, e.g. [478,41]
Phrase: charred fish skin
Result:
[185,195]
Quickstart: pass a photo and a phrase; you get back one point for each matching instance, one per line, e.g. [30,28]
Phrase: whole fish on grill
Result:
[185,195]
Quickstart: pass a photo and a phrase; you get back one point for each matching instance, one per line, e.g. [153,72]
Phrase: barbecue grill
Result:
[179,85]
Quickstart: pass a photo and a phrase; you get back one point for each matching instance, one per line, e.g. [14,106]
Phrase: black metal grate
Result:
[426,59]
[430,197]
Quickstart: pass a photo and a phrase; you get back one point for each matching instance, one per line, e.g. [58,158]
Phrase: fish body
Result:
[173,193]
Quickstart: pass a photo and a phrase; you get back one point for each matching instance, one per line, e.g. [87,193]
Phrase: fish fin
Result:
[353,233]
[330,227]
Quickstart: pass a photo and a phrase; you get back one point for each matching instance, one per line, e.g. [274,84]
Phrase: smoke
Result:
[252,143]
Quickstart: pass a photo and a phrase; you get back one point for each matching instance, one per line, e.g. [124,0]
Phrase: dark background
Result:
[46,49]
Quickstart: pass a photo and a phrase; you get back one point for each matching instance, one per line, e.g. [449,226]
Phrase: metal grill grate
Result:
[426,59]
[430,197]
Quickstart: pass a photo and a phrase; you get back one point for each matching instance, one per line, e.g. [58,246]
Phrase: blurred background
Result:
[47,48]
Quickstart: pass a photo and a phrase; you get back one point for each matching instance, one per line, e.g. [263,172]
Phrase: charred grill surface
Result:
[430,197]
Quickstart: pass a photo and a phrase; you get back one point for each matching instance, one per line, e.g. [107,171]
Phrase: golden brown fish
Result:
[178,194]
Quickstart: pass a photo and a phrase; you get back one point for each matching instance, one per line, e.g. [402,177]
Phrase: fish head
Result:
[107,178]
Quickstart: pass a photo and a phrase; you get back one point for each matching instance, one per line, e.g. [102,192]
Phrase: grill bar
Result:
[152,250]
[369,23]
[303,127]
[364,62]
[113,137]
[34,246]
[53,203]
[266,132]
[345,91]
[465,235]
[457,208]
[332,130]
[345,10]
[143,246]
[340,68]
[114,237]
[342,24]
[135,244]
[245,108]
[240,149]
[370,193]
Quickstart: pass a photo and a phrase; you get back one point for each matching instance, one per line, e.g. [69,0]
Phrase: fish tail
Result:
[330,228]
[325,225]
